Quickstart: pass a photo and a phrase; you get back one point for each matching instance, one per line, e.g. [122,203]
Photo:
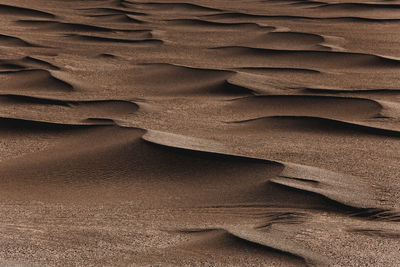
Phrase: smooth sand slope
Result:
[199,133]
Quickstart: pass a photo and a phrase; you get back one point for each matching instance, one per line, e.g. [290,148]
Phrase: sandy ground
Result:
[199,133]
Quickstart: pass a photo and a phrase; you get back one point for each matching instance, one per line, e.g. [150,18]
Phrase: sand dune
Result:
[169,153]
[210,81]
[22,11]
[94,12]
[358,6]
[224,241]
[34,79]
[192,133]
[26,63]
[6,40]
[340,18]
[323,59]
[205,25]
[285,40]
[98,39]
[297,105]
[173,7]
[62,26]
[117,18]
[304,123]
[58,111]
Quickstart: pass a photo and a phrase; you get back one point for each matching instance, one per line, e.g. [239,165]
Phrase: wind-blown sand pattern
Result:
[200,133]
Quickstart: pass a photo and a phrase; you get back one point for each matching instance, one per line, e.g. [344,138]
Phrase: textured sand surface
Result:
[199,133]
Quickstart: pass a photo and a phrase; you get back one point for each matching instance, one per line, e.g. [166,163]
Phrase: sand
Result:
[199,133]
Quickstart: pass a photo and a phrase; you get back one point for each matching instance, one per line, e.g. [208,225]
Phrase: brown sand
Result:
[201,133]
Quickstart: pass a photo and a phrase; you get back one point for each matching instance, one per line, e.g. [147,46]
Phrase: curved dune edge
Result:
[184,142]
[367,128]
[272,69]
[340,188]
[390,109]
[118,18]
[12,41]
[285,39]
[205,24]
[355,6]
[335,186]
[244,15]
[99,39]
[273,239]
[82,107]
[22,11]
[177,7]
[45,80]
[346,190]
[65,101]
[53,25]
[379,232]
[358,110]
[27,62]
[194,81]
[347,91]
[20,122]
[110,11]
[309,105]
[351,59]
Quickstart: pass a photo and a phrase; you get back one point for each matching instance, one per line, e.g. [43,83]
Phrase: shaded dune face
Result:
[311,125]
[25,63]
[253,35]
[51,25]
[192,81]
[157,164]
[13,41]
[117,19]
[285,40]
[21,11]
[59,111]
[98,39]
[317,106]
[224,243]
[173,7]
[33,79]
[192,133]
[309,59]
[141,169]
[93,12]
